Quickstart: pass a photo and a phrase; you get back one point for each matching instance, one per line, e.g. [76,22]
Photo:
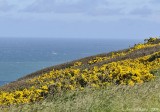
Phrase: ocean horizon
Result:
[22,56]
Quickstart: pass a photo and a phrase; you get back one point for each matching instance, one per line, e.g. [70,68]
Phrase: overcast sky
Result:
[80,18]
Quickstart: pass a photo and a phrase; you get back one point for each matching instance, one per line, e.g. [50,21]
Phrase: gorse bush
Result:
[152,40]
[123,72]
[129,71]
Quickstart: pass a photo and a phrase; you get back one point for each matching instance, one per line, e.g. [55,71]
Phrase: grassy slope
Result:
[21,83]
[140,98]
[145,97]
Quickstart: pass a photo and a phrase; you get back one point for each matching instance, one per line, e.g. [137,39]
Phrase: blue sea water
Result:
[21,56]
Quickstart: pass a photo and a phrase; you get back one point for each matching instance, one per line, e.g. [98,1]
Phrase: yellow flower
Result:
[131,83]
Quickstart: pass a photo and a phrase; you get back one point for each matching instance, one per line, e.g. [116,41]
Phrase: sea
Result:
[21,56]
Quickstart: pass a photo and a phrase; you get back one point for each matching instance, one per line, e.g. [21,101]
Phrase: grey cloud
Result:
[155,1]
[4,6]
[144,11]
[64,6]
[107,11]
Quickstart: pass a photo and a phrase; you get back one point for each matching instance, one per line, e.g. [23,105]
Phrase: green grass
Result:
[140,98]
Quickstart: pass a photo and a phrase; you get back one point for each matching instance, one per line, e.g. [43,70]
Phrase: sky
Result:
[79,18]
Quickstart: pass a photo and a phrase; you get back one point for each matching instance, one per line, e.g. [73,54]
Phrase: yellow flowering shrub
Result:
[23,96]
[128,72]
[148,43]
[77,63]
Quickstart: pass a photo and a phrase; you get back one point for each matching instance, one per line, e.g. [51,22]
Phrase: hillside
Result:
[98,83]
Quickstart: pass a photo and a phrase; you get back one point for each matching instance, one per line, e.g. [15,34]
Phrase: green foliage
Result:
[143,97]
[152,40]
[113,98]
